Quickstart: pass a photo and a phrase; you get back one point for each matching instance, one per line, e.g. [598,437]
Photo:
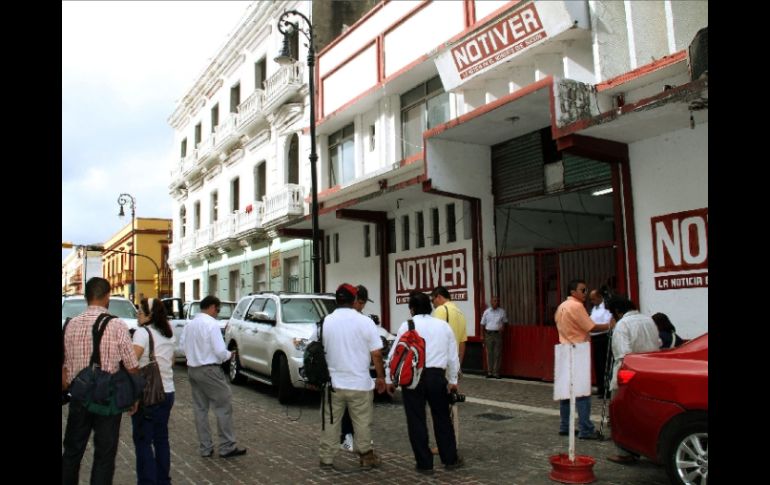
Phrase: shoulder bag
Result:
[153,389]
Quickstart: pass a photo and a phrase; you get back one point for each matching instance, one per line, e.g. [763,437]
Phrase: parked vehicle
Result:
[180,315]
[74,305]
[660,410]
[269,331]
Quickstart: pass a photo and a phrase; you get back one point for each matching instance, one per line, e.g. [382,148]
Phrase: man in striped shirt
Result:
[115,346]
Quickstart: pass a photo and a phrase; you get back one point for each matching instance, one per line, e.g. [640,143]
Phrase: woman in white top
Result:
[150,423]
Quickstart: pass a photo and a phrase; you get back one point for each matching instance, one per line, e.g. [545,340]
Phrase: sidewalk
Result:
[508,431]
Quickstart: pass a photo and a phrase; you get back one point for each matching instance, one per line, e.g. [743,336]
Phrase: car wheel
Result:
[285,389]
[687,458]
[234,369]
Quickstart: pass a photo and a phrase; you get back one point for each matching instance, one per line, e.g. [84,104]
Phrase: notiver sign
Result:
[680,245]
[424,273]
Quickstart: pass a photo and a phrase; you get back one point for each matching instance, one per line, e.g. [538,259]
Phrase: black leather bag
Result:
[153,389]
[101,392]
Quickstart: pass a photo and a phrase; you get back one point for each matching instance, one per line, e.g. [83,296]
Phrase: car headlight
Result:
[300,343]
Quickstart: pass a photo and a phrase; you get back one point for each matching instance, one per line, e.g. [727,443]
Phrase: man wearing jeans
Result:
[574,325]
[205,349]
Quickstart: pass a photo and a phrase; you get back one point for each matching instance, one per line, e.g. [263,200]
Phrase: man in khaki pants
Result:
[445,309]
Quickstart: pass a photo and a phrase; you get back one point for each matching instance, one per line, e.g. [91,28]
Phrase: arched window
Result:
[292,172]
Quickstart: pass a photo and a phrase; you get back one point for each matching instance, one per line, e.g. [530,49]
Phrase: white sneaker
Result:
[347,445]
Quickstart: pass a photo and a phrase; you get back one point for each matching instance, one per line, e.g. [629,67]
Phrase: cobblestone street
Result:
[508,431]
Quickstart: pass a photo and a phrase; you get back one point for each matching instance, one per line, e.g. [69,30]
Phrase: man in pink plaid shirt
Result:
[114,347]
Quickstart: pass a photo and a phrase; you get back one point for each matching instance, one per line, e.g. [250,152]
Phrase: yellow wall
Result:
[151,238]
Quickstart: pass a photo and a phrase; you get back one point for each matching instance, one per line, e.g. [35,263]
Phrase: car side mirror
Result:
[261,317]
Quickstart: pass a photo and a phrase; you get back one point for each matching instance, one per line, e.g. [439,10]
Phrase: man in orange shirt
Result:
[574,325]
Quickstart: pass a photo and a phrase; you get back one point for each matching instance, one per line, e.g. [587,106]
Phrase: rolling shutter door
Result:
[517,169]
[580,172]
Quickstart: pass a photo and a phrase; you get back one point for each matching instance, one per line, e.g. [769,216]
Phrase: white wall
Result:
[400,312]
[669,173]
[353,267]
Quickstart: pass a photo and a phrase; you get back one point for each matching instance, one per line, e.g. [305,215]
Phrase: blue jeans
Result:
[583,406]
[153,454]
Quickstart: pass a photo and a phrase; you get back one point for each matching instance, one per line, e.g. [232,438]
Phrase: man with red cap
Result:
[351,342]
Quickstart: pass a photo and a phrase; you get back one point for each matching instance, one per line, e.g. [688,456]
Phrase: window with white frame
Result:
[214,206]
[420,222]
[451,223]
[235,97]
[342,163]
[259,180]
[405,233]
[198,128]
[422,108]
[183,221]
[184,148]
[235,194]
[214,118]
[197,215]
[259,278]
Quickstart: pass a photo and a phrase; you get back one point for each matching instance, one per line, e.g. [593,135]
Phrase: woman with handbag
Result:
[154,348]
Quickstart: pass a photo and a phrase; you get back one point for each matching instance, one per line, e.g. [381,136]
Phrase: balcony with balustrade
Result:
[205,148]
[251,110]
[282,85]
[226,133]
[284,204]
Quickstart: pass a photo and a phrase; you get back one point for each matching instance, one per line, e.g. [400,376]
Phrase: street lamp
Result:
[287,28]
[124,199]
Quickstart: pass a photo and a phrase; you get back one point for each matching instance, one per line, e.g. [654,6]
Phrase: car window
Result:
[122,309]
[270,309]
[195,308]
[256,306]
[72,308]
[305,310]
[240,310]
[225,311]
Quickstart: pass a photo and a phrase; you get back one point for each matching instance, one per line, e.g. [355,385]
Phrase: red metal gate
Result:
[530,287]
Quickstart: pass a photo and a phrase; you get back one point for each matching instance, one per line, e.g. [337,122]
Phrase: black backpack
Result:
[315,370]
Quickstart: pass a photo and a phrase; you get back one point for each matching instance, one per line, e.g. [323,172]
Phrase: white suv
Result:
[74,305]
[269,332]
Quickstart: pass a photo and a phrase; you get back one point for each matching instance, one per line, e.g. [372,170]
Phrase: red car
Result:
[660,410]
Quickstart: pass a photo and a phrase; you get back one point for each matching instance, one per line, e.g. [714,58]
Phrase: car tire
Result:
[234,374]
[686,456]
[282,379]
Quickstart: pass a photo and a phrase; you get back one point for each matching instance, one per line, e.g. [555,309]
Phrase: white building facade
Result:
[242,167]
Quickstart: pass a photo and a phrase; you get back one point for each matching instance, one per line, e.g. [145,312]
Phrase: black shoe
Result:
[489,376]
[593,436]
[457,464]
[566,433]
[233,452]
[498,377]
[424,471]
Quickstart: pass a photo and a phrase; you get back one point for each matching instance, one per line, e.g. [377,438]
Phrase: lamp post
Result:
[124,199]
[287,28]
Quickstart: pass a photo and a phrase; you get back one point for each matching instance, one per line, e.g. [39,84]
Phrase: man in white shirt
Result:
[439,376]
[493,320]
[634,332]
[205,349]
[599,340]
[351,342]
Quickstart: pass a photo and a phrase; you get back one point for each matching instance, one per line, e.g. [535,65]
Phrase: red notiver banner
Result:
[424,273]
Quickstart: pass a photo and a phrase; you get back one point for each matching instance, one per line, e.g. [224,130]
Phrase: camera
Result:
[375,318]
[455,397]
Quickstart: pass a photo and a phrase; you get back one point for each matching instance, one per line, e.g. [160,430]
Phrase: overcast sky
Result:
[124,66]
